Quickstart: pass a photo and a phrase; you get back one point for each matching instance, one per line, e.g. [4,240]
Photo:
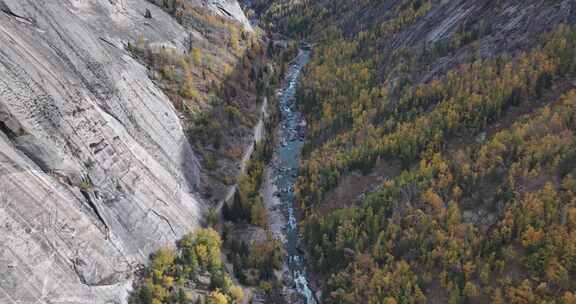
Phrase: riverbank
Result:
[278,187]
[258,217]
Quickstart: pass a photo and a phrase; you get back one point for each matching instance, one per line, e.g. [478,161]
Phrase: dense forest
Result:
[440,165]
[462,144]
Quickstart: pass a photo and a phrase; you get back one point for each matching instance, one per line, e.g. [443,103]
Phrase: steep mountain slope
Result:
[96,170]
[440,166]
[227,8]
[218,85]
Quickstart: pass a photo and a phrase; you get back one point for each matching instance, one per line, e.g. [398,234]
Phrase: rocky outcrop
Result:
[95,169]
[231,9]
[228,9]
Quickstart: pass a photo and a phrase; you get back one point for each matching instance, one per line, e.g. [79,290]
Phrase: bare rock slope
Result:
[227,8]
[95,169]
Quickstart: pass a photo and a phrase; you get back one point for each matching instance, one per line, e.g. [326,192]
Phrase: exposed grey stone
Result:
[95,169]
[204,279]
[227,8]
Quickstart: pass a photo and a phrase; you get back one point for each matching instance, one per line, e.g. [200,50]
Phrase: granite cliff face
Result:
[227,8]
[95,169]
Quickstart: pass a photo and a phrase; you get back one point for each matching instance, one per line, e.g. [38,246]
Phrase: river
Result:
[280,179]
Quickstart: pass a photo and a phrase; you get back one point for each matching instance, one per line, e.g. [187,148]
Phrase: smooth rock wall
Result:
[95,169]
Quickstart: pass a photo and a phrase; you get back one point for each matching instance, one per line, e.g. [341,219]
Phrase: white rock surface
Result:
[228,9]
[95,170]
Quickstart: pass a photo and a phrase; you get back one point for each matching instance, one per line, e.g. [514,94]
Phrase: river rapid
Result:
[281,175]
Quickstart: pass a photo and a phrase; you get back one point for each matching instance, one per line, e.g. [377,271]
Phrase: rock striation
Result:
[229,9]
[95,169]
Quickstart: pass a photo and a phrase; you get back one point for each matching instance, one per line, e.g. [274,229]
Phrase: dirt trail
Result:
[258,135]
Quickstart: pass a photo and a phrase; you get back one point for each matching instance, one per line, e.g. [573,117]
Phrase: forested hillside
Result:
[440,166]
[222,85]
